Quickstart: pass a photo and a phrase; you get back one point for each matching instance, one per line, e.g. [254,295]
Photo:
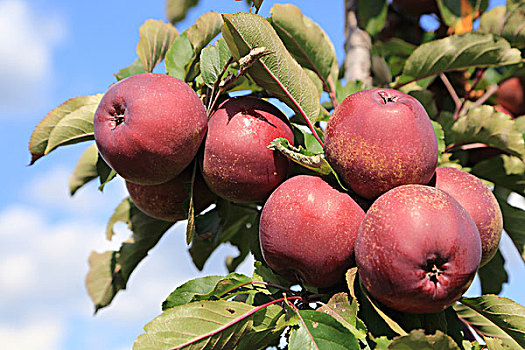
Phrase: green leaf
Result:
[133,69]
[74,127]
[213,60]
[502,312]
[85,170]
[484,326]
[461,14]
[265,274]
[318,330]
[105,173]
[440,136]
[176,10]
[302,157]
[503,170]
[179,57]
[305,40]
[417,340]
[457,52]
[427,99]
[110,271]
[187,291]
[485,125]
[506,22]
[220,225]
[156,38]
[214,324]
[183,55]
[40,137]
[350,88]
[514,224]
[340,308]
[207,27]
[372,15]
[493,275]
[277,72]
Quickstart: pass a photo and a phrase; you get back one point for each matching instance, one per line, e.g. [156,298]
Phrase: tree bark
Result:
[357,47]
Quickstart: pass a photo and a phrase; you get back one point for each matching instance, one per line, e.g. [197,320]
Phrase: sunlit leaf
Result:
[207,27]
[74,127]
[217,324]
[418,340]
[135,68]
[457,52]
[277,72]
[305,40]
[179,57]
[485,125]
[156,38]
[40,137]
[318,330]
[506,22]
[213,60]
[461,14]
[484,326]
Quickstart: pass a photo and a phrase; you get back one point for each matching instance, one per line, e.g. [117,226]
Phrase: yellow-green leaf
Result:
[156,38]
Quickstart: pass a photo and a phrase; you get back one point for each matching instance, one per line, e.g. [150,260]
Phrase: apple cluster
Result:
[427,231]
[416,233]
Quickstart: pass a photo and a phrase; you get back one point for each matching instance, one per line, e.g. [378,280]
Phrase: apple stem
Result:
[450,90]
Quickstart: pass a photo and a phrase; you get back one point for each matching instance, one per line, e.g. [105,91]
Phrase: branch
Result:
[357,47]
[450,90]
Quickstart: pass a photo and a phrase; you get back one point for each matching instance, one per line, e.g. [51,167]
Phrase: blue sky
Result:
[51,51]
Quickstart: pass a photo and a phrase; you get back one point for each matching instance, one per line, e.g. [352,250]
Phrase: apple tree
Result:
[359,242]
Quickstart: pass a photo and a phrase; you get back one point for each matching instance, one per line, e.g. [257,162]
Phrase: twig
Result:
[479,76]
[451,90]
[490,91]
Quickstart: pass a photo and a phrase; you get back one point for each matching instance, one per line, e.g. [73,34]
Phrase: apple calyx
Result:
[118,117]
[386,98]
[434,269]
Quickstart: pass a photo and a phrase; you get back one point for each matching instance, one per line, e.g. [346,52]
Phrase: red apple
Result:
[417,249]
[307,231]
[379,139]
[169,201]
[511,95]
[148,127]
[237,164]
[479,202]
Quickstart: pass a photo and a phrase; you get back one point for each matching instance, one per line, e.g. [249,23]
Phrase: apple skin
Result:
[166,201]
[379,139]
[148,127]
[307,231]
[406,233]
[237,165]
[479,202]
[511,95]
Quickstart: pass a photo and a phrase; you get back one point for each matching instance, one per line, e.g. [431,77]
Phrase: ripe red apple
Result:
[148,127]
[417,249]
[511,95]
[166,201]
[379,139]
[307,231]
[237,165]
[501,109]
[479,202]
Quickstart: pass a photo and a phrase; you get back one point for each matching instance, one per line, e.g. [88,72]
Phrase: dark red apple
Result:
[511,95]
[148,127]
[379,139]
[307,231]
[417,249]
[237,164]
[169,201]
[479,202]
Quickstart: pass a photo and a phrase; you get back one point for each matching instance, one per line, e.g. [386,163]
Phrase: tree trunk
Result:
[357,47]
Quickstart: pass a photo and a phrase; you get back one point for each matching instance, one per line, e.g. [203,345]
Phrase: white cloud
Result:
[34,335]
[27,41]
